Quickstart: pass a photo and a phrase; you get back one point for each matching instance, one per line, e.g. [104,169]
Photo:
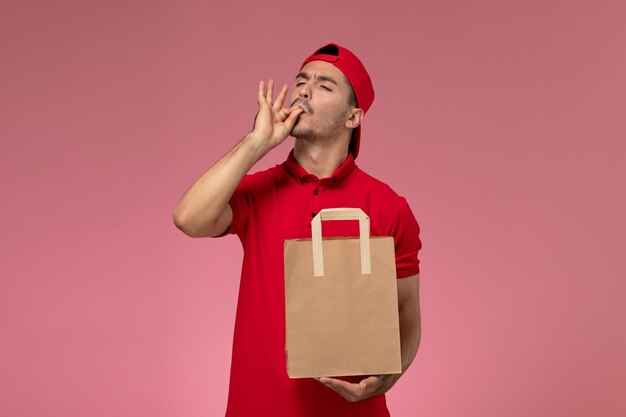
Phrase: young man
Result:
[332,93]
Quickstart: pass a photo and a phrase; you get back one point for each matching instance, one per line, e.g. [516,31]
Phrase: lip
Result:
[306,107]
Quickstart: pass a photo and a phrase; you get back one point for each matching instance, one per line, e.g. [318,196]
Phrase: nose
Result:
[304,91]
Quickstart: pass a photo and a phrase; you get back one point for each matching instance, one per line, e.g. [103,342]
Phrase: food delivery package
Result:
[341,302]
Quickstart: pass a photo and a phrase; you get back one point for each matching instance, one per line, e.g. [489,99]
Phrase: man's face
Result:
[324,94]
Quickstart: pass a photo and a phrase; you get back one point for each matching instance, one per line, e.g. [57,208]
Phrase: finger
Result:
[338,384]
[261,95]
[270,90]
[281,98]
[345,389]
[291,120]
[371,383]
[283,113]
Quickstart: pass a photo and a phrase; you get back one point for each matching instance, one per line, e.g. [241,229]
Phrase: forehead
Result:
[327,69]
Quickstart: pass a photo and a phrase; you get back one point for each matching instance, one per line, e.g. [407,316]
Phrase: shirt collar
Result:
[345,169]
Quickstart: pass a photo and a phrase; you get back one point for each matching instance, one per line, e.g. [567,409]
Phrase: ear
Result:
[355,118]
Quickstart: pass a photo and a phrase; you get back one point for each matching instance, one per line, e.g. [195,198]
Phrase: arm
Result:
[204,210]
[410,336]
[410,319]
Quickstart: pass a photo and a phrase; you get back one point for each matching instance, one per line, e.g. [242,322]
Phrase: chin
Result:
[302,132]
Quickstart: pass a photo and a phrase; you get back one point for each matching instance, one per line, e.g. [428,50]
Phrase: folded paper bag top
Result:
[341,302]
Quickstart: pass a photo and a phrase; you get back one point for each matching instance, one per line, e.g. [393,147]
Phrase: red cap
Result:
[357,76]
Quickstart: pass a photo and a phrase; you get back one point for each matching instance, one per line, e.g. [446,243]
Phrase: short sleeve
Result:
[407,241]
[239,204]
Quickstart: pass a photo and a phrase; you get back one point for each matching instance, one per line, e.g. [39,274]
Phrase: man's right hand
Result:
[204,210]
[273,123]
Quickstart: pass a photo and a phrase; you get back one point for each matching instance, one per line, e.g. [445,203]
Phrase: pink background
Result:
[503,123]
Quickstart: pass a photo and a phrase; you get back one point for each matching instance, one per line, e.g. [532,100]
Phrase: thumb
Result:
[371,383]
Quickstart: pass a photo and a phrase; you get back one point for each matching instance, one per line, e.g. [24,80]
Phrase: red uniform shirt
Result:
[269,207]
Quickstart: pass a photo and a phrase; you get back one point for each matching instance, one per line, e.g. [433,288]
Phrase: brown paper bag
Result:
[341,302]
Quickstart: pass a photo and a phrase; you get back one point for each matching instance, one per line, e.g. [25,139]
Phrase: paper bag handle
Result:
[340,214]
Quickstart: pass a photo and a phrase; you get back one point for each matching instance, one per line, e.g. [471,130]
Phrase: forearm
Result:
[410,335]
[201,209]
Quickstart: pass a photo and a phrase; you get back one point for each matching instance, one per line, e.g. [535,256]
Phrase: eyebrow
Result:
[307,76]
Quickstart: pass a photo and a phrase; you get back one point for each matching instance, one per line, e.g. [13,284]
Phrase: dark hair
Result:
[352,98]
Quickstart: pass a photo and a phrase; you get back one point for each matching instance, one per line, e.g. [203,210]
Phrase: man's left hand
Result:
[365,389]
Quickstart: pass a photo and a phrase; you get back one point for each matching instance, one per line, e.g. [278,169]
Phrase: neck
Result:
[320,158]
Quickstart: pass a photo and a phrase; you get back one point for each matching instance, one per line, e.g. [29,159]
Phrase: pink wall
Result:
[502,122]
